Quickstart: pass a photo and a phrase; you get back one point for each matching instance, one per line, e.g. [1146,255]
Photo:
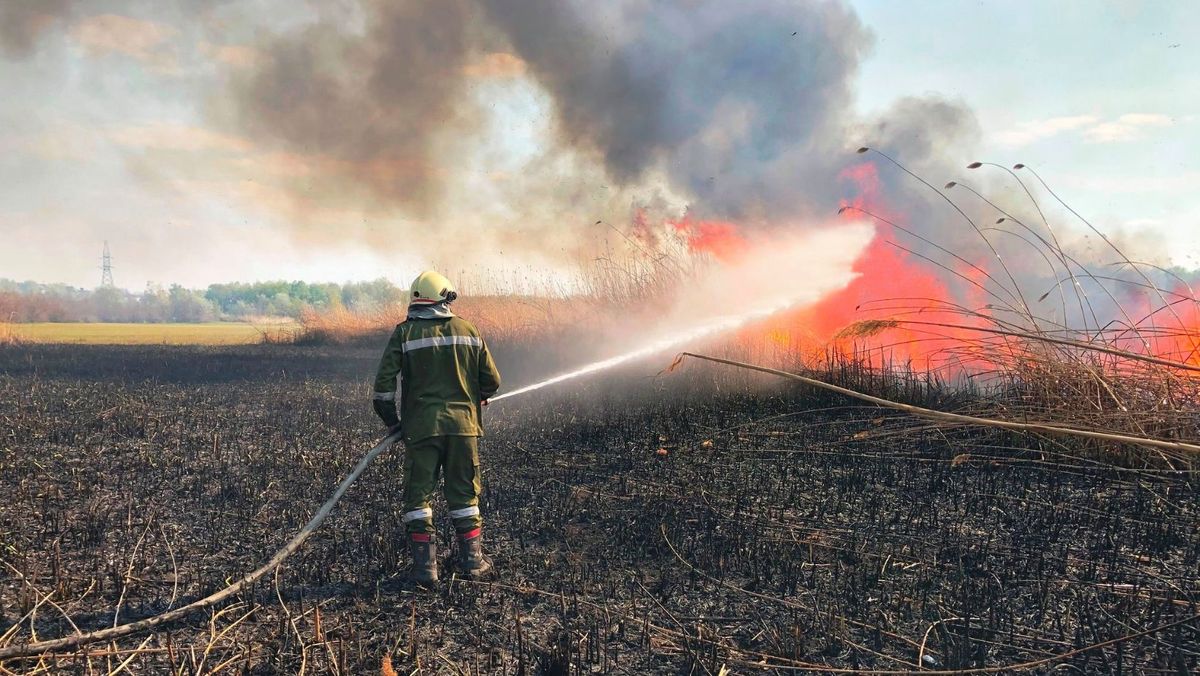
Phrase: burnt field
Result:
[672,524]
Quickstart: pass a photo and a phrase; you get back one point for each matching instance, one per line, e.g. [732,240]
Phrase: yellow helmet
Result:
[431,287]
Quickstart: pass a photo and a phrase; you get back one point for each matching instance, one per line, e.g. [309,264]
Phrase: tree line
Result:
[35,302]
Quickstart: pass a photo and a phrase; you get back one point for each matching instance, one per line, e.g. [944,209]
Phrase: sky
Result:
[126,121]
[1101,97]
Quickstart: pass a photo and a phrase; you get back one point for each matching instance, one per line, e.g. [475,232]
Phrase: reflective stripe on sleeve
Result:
[385,396]
[417,514]
[464,512]
[439,341]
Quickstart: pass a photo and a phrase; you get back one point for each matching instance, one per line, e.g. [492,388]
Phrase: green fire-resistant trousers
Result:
[457,457]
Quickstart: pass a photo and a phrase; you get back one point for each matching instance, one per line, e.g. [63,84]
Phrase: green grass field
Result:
[215,333]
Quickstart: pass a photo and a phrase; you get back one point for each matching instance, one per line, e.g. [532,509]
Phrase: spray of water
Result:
[791,272]
[717,326]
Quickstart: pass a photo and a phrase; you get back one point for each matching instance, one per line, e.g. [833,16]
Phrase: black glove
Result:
[386,410]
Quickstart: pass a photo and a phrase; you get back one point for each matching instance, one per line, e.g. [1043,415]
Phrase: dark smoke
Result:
[922,132]
[743,104]
[929,136]
[747,106]
[369,105]
[22,23]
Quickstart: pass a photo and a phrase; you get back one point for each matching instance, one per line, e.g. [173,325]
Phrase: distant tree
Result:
[281,305]
[189,306]
[373,295]
[31,301]
[110,305]
[10,306]
[154,305]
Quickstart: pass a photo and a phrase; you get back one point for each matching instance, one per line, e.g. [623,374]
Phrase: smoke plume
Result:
[369,105]
[22,23]
[744,105]
[738,110]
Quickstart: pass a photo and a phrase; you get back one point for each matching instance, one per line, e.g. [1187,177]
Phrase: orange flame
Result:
[892,283]
[889,280]
[1170,331]
[718,238]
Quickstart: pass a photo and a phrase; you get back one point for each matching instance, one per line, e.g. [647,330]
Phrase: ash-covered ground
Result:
[641,524]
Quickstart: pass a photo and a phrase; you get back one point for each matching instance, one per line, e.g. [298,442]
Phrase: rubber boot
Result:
[471,559]
[424,556]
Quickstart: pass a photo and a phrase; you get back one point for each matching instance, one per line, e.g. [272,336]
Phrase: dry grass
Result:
[1123,381]
[510,319]
[1115,349]
[85,333]
[8,334]
[536,309]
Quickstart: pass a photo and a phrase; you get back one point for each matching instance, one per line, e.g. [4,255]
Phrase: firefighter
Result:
[446,376]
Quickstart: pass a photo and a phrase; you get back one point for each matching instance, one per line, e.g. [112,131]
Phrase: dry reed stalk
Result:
[9,334]
[1192,451]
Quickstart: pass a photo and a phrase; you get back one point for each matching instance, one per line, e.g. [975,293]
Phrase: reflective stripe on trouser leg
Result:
[473,510]
[463,486]
[422,514]
[422,463]
[465,518]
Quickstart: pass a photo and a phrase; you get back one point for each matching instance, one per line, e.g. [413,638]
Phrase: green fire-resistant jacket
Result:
[445,371]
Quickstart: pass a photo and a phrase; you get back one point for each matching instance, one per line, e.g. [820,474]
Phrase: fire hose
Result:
[30,649]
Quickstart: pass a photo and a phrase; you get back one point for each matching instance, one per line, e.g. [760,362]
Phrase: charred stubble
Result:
[673,525]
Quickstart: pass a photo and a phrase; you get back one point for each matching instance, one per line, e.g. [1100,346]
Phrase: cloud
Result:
[1093,129]
[1182,183]
[164,136]
[1028,132]
[53,142]
[1144,223]
[145,41]
[1126,128]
